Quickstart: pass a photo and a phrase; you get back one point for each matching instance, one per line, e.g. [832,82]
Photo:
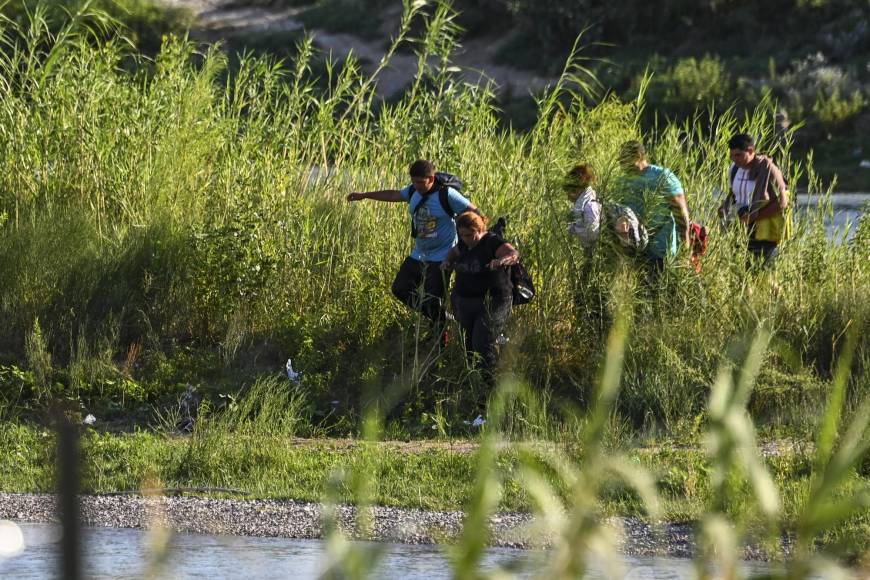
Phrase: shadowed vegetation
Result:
[160,227]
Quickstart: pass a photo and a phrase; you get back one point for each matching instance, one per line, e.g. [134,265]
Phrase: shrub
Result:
[834,110]
[690,84]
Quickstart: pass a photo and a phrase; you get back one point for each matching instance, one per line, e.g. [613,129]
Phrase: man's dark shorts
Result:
[434,281]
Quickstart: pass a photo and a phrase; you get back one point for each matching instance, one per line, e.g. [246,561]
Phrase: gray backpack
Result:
[631,234]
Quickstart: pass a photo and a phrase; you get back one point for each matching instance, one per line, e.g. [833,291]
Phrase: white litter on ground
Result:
[291,374]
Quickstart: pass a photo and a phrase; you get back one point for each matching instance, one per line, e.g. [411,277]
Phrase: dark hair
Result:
[581,173]
[422,168]
[632,151]
[470,220]
[742,141]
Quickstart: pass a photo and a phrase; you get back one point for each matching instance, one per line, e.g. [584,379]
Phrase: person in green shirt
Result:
[656,196]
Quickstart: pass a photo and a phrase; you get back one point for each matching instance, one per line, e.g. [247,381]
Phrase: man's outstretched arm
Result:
[391,195]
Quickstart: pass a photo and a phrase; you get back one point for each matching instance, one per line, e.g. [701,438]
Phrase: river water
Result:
[847,209]
[115,553]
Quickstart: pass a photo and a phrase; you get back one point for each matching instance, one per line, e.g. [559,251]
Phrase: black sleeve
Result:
[493,242]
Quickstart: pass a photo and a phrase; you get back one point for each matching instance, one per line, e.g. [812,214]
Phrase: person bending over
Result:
[656,196]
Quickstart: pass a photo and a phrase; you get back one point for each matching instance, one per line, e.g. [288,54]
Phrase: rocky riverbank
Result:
[292,519]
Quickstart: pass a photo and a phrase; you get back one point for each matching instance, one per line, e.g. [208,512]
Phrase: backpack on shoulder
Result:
[521,280]
[443,181]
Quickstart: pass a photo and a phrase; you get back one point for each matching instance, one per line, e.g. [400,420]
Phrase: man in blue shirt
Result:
[435,235]
[657,198]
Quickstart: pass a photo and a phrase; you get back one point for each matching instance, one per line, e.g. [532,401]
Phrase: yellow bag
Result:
[775,228]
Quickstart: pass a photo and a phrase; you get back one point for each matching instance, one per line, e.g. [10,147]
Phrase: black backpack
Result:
[443,181]
[523,287]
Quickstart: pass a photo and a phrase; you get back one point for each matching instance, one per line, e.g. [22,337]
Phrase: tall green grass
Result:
[199,222]
[567,486]
[823,507]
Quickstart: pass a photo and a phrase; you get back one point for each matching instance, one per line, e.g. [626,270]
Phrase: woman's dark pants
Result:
[482,320]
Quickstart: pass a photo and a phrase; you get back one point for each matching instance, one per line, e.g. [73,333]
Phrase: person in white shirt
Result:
[586,211]
[758,190]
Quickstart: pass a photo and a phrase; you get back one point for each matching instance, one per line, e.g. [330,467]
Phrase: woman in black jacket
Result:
[482,291]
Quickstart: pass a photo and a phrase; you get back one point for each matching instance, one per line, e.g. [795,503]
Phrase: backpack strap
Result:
[444,198]
[730,196]
[423,198]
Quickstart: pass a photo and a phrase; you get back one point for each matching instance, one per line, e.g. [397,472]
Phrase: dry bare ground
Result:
[225,19]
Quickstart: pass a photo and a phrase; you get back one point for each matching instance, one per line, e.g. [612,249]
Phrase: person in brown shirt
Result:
[758,190]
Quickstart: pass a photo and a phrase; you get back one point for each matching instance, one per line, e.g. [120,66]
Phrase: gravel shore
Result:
[292,519]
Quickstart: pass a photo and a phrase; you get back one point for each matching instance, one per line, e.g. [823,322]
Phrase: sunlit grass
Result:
[163,224]
[166,208]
